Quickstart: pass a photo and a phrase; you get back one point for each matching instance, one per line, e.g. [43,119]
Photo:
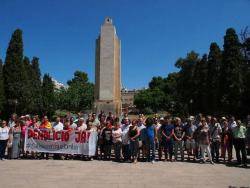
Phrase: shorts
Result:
[190,144]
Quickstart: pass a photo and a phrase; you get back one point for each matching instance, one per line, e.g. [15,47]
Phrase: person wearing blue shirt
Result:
[151,133]
[167,138]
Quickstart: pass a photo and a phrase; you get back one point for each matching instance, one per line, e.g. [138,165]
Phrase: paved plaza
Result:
[102,174]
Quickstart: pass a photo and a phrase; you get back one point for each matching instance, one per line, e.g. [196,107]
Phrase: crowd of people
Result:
[199,139]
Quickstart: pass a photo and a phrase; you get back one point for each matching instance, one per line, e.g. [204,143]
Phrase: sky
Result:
[153,33]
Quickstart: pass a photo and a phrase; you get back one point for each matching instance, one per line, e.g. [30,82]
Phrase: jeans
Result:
[3,144]
[134,148]
[107,150]
[150,149]
[215,148]
[207,149]
[178,145]
[226,147]
[168,148]
[126,152]
[240,147]
[117,150]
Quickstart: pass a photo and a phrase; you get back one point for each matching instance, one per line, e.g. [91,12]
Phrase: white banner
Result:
[67,142]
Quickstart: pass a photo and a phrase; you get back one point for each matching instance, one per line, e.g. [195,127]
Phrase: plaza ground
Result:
[95,174]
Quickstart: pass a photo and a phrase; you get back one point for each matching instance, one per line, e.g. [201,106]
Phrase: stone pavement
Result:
[102,174]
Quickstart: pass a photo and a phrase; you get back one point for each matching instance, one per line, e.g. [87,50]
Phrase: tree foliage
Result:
[78,96]
[2,93]
[217,83]
[48,97]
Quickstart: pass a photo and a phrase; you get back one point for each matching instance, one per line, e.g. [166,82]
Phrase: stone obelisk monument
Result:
[107,70]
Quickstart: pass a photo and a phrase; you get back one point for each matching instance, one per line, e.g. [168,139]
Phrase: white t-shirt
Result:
[58,126]
[73,126]
[83,127]
[4,133]
[96,122]
[117,135]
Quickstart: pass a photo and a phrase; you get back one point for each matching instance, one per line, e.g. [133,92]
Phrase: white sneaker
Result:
[153,161]
[3,159]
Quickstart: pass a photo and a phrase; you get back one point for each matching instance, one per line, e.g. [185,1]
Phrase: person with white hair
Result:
[81,126]
[189,130]
[239,134]
[178,138]
[204,141]
[57,126]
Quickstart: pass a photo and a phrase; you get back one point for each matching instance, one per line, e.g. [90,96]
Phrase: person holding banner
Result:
[58,126]
[81,126]
[45,125]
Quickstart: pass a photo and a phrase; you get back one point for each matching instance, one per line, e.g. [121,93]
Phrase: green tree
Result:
[48,96]
[35,77]
[25,100]
[13,72]
[213,75]
[2,95]
[246,77]
[231,80]
[185,82]
[79,95]
[80,92]
[200,86]
[143,101]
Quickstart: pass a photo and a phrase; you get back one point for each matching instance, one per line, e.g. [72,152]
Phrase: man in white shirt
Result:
[58,126]
[96,122]
[73,125]
[81,126]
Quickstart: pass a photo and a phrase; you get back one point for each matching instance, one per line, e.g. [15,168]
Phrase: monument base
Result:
[108,106]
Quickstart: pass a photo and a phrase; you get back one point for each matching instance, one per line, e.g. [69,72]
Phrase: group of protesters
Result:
[161,138]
